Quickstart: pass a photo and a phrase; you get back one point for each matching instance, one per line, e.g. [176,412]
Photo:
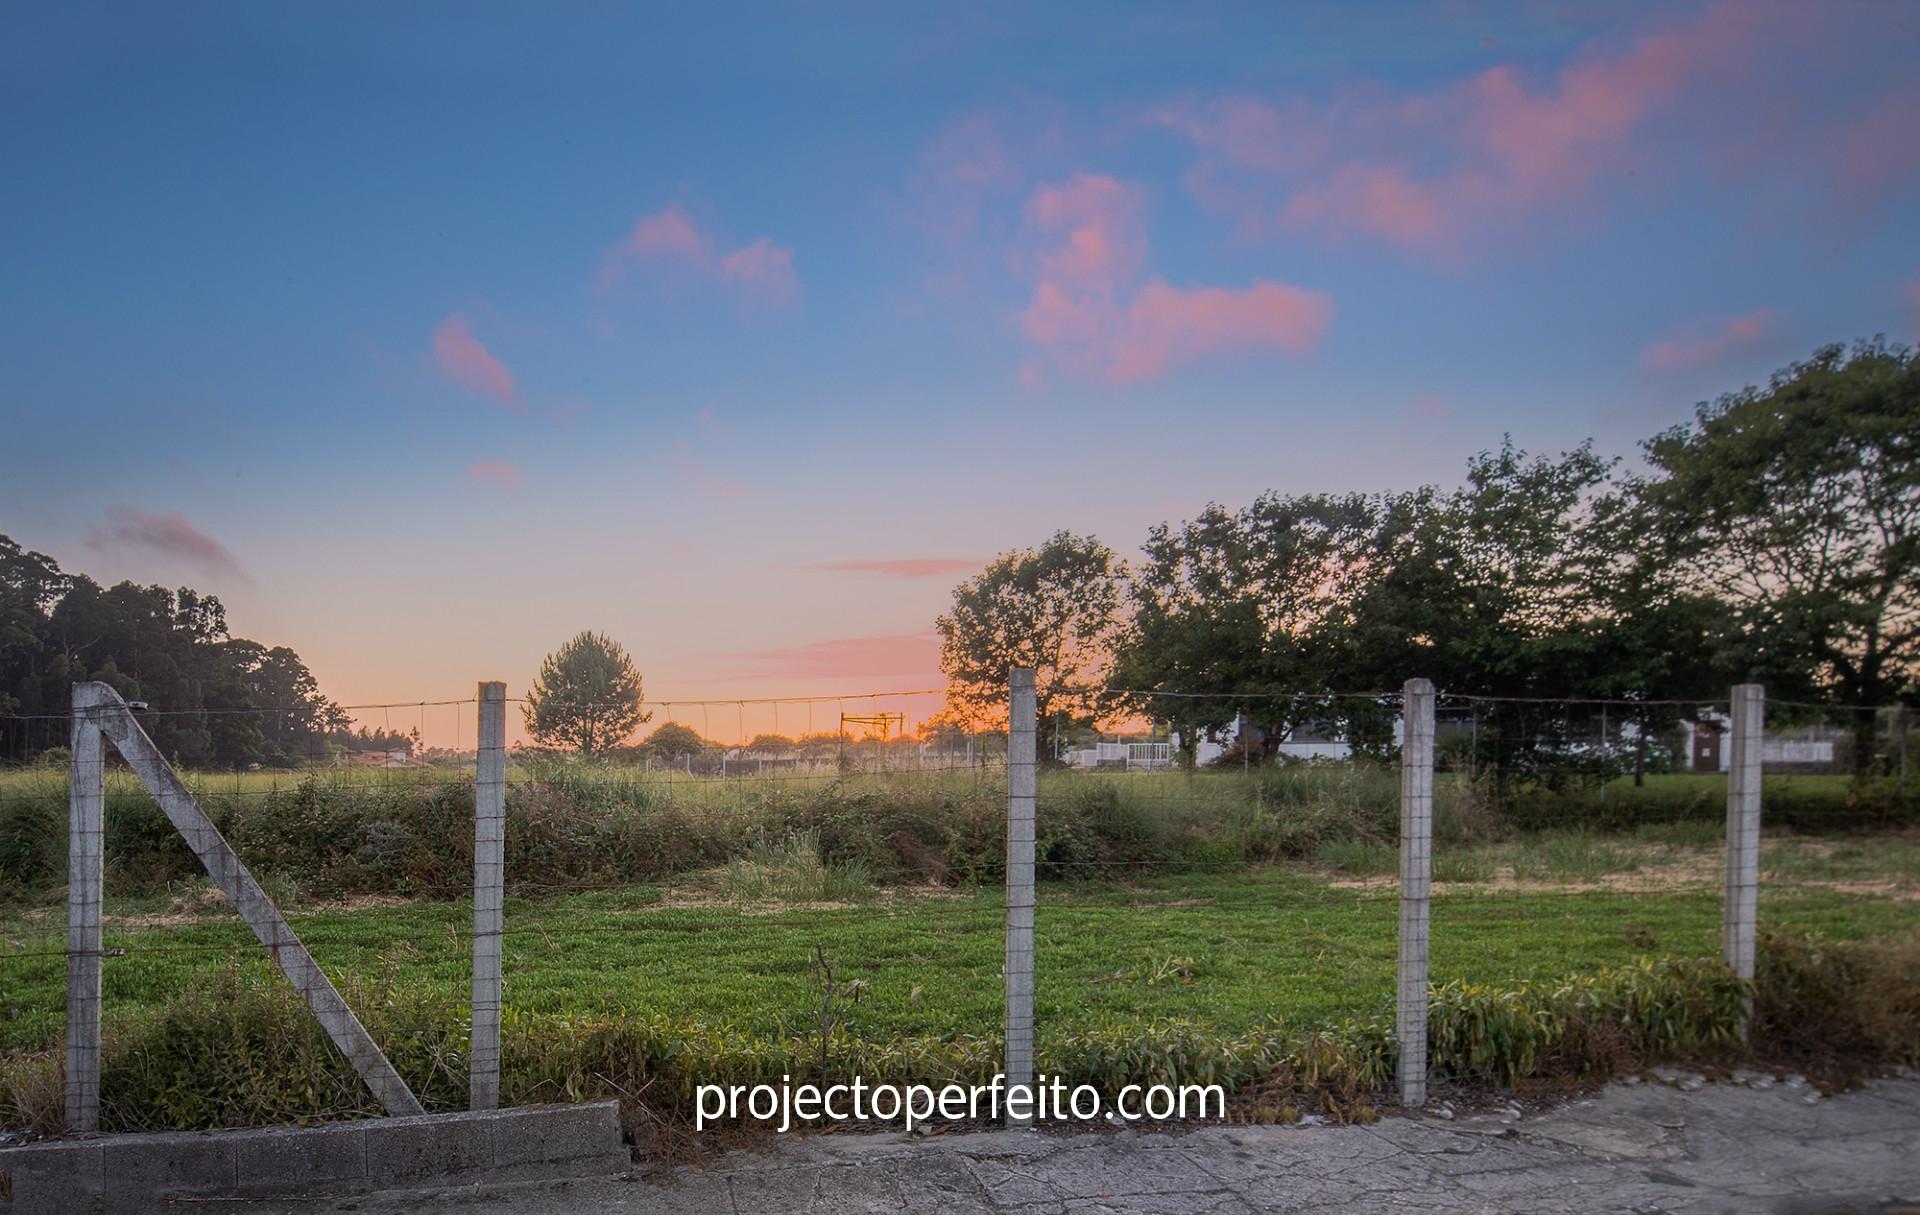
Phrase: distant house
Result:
[1802,749]
[1121,754]
[1317,740]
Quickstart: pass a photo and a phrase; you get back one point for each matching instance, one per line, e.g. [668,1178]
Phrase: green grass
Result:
[1227,950]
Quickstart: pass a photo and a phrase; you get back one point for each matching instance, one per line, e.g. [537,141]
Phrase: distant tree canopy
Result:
[1777,537]
[587,696]
[1055,609]
[671,740]
[1798,505]
[218,701]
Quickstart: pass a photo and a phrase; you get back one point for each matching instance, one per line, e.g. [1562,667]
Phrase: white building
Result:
[1708,746]
[1128,755]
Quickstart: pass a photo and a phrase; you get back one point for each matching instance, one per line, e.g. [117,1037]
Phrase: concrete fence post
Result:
[1022,746]
[1740,915]
[112,718]
[1416,881]
[489,863]
[86,868]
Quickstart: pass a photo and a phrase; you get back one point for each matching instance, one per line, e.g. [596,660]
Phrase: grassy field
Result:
[1229,949]
[356,832]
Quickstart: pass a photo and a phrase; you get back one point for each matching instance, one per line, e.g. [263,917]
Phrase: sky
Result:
[426,336]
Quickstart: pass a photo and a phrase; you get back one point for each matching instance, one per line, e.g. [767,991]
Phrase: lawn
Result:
[1230,948]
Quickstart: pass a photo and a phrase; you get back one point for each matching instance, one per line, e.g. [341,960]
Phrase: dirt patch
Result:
[1899,891]
[207,903]
[1654,869]
[689,898]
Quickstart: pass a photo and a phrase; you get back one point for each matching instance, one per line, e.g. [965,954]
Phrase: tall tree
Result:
[1055,609]
[219,700]
[1251,609]
[30,584]
[1799,504]
[587,696]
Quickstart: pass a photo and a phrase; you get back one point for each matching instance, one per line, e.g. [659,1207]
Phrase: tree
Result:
[1054,609]
[1657,639]
[30,584]
[220,700]
[1799,505]
[673,740]
[587,696]
[1487,591]
[1249,609]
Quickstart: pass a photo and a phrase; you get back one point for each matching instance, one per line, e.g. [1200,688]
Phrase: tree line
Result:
[218,701]
[1775,538]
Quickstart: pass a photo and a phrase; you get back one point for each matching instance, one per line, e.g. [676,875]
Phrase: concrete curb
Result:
[116,1174]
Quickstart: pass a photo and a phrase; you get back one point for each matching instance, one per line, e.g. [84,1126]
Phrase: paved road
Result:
[1632,1148]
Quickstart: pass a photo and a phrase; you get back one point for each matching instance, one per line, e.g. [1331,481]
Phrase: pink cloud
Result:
[764,271]
[874,656]
[667,233]
[168,535]
[1429,409]
[1444,171]
[1085,242]
[1091,230]
[902,567]
[1707,341]
[1055,319]
[1167,326]
[500,474]
[465,361]
[969,162]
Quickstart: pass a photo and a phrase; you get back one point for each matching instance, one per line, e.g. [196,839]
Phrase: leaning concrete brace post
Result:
[489,859]
[1021,756]
[86,803]
[223,866]
[1740,915]
[1416,877]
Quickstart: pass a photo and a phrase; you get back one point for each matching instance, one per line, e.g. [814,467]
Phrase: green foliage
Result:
[792,871]
[1054,609]
[1585,1025]
[586,697]
[671,740]
[1799,505]
[237,1051]
[351,832]
[225,702]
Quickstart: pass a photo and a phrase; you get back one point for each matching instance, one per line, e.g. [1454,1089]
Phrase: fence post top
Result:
[92,693]
[493,689]
[1418,687]
[1020,677]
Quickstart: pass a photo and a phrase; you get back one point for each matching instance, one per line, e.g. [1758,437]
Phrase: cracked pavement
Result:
[1640,1148]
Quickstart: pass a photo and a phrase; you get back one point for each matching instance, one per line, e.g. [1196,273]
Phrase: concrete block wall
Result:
[135,1174]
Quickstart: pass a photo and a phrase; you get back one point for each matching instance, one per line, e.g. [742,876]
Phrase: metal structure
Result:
[879,725]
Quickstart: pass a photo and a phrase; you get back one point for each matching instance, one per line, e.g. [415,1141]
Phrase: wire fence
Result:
[1212,859]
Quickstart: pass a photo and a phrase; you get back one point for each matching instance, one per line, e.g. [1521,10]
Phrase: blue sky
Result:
[426,336]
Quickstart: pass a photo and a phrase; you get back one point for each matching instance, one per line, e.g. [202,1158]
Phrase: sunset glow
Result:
[426,340]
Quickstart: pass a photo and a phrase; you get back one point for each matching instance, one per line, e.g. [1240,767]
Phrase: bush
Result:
[1850,1005]
[568,825]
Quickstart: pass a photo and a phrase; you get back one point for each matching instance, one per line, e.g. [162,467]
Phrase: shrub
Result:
[244,1051]
[1845,1005]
